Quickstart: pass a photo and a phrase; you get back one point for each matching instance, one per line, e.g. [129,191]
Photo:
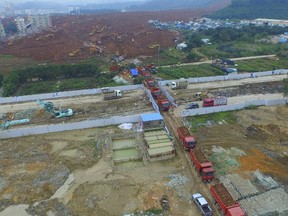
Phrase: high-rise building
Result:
[20,23]
[8,9]
[40,21]
[2,31]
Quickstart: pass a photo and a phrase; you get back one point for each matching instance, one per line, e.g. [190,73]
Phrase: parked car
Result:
[202,204]
[192,106]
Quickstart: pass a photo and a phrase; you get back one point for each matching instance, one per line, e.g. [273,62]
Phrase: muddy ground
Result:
[33,168]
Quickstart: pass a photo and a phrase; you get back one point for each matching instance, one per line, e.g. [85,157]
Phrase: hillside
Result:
[253,9]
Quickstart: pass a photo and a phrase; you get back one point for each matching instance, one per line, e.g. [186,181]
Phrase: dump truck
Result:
[144,73]
[186,138]
[215,101]
[114,94]
[227,205]
[180,84]
[202,164]
[155,91]
[202,204]
[163,103]
[149,83]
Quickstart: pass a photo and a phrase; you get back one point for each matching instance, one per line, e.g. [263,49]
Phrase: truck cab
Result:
[207,174]
[190,143]
[208,102]
[202,204]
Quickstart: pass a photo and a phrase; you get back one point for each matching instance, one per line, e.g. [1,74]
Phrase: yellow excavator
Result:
[153,46]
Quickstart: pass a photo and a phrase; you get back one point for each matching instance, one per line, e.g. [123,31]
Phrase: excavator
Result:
[57,112]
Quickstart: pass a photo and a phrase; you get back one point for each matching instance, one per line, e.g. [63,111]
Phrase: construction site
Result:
[86,171]
[131,150]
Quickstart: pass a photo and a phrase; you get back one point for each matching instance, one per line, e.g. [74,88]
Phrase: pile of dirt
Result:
[74,38]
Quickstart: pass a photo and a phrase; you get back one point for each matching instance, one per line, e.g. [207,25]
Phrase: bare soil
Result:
[126,34]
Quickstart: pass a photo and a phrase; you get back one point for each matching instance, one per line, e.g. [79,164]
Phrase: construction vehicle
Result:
[151,68]
[202,204]
[57,112]
[215,101]
[153,46]
[149,83]
[155,91]
[144,73]
[7,123]
[202,164]
[163,103]
[180,84]
[226,204]
[110,94]
[74,53]
[186,138]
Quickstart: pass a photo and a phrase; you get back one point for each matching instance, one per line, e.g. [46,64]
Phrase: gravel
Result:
[273,202]
[178,182]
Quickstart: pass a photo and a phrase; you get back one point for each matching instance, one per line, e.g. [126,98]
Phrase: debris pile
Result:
[178,182]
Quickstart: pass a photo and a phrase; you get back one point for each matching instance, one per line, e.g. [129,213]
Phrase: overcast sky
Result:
[72,1]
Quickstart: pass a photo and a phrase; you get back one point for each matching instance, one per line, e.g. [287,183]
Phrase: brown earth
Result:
[126,34]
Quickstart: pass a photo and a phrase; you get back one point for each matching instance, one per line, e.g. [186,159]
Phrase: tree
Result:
[11,28]
[1,80]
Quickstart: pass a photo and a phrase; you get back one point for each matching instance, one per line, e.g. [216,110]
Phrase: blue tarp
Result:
[134,72]
[151,117]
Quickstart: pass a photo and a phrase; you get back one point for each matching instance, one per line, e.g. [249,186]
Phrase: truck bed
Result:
[201,158]
[224,195]
[184,131]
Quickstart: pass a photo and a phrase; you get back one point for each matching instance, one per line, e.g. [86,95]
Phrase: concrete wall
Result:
[154,104]
[207,110]
[64,94]
[230,76]
[19,132]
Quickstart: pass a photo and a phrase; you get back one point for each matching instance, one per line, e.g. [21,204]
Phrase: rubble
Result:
[177,182]
[240,188]
[273,202]
[266,181]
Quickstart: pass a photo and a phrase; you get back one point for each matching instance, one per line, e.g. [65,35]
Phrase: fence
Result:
[232,76]
[64,94]
[11,133]
[207,110]
[154,104]
[166,93]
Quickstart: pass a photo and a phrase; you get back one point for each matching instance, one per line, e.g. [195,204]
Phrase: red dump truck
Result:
[215,101]
[163,103]
[202,164]
[227,205]
[149,83]
[155,91]
[187,139]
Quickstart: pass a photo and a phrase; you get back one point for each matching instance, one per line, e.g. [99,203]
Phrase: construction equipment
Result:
[180,84]
[153,46]
[227,205]
[7,123]
[49,36]
[202,164]
[186,138]
[110,94]
[163,103]
[57,112]
[215,101]
[74,53]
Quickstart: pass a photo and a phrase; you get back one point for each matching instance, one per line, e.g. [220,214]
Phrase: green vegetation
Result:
[188,71]
[252,9]
[54,78]
[213,118]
